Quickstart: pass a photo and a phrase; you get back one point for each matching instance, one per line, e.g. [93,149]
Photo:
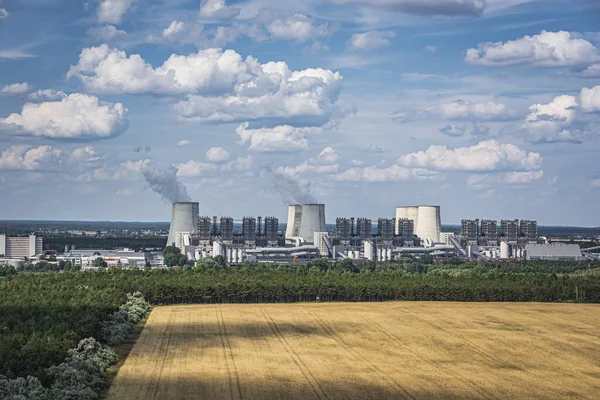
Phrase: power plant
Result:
[415,230]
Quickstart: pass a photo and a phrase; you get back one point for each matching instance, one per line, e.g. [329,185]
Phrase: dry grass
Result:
[365,351]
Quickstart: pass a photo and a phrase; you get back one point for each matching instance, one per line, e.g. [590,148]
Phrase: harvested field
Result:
[395,350]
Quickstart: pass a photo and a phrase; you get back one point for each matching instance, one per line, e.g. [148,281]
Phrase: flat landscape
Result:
[393,350]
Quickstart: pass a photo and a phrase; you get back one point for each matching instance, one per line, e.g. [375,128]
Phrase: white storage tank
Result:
[504,250]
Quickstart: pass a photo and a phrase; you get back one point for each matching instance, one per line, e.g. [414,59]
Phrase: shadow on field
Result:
[210,333]
[206,388]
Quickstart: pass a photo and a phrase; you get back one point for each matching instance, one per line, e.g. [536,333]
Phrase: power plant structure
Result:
[184,219]
[304,220]
[426,221]
[414,231]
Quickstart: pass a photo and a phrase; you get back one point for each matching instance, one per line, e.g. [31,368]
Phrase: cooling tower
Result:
[184,218]
[304,220]
[428,224]
[426,220]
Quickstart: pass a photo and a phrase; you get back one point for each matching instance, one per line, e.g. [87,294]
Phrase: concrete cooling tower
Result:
[426,219]
[304,220]
[184,218]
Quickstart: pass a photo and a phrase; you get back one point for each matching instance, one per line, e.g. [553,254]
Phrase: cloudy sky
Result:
[109,109]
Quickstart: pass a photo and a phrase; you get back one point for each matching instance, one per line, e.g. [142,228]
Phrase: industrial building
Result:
[271,230]
[385,229]
[364,228]
[555,251]
[249,229]
[528,231]
[204,230]
[469,231]
[343,229]
[20,247]
[509,230]
[226,229]
[405,228]
[488,232]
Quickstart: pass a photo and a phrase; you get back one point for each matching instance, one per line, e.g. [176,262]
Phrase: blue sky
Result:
[490,108]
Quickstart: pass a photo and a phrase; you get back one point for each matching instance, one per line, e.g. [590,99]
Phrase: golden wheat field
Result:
[395,350]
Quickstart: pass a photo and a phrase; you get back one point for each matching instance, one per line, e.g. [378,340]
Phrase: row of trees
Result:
[82,374]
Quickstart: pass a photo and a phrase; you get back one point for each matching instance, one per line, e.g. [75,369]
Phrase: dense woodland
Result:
[43,315]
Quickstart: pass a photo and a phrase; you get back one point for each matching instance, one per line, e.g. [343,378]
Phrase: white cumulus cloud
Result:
[75,116]
[426,7]
[459,110]
[326,162]
[23,157]
[393,173]
[46,95]
[84,154]
[489,155]
[282,138]
[184,142]
[548,49]
[112,11]
[106,33]
[523,177]
[16,88]
[222,85]
[217,10]
[370,40]
[217,155]
[590,99]
[297,27]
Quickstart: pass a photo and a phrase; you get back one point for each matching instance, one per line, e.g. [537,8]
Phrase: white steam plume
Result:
[164,181]
[291,190]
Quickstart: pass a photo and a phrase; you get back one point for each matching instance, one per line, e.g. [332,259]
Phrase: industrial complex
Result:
[414,230]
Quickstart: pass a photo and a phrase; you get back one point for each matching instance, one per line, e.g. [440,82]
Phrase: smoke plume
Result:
[164,181]
[291,190]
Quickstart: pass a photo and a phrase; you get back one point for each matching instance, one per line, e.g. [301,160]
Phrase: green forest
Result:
[43,315]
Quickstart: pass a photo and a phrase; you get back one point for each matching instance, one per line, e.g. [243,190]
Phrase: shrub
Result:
[29,388]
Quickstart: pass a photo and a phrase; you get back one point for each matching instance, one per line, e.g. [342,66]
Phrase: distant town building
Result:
[509,230]
[20,247]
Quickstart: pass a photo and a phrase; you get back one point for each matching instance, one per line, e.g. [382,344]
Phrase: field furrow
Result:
[370,351]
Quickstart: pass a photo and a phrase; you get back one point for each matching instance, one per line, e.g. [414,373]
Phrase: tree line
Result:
[43,315]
